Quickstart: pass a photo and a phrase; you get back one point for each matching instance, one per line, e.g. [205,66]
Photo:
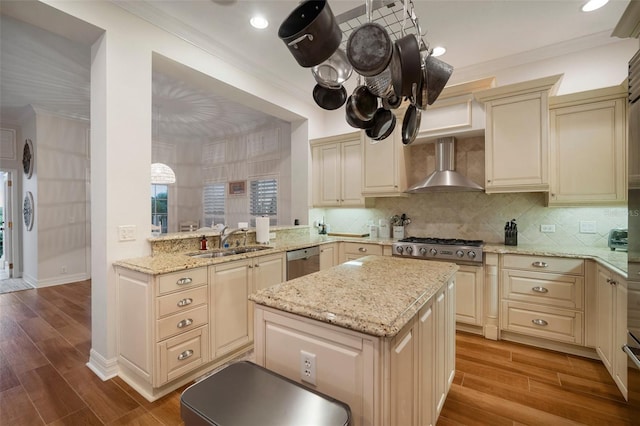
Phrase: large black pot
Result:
[311,33]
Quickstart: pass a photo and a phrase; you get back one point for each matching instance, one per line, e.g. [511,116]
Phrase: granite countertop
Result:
[615,260]
[164,263]
[376,295]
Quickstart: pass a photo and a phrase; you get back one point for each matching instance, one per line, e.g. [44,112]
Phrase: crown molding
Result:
[592,41]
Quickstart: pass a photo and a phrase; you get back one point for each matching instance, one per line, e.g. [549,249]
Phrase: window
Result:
[159,206]
[263,200]
[213,203]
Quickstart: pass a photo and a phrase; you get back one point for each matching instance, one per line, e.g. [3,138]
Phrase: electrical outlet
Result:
[63,269]
[308,367]
[272,235]
[547,228]
[127,233]
[587,226]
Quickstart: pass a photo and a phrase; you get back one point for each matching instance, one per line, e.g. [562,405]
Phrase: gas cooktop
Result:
[433,248]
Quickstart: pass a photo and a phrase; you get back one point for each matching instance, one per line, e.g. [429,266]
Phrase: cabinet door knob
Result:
[184,355]
[184,281]
[539,289]
[539,264]
[184,323]
[539,321]
[257,266]
[185,302]
[362,249]
[250,266]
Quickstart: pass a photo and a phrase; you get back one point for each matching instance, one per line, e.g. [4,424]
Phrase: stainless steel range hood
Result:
[445,178]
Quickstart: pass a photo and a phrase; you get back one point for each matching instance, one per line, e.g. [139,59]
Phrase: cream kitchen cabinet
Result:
[384,170]
[352,251]
[469,295]
[611,324]
[232,313]
[328,256]
[587,149]
[543,297]
[336,171]
[163,328]
[517,135]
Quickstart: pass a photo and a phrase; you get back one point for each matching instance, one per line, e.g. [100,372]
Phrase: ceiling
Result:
[53,72]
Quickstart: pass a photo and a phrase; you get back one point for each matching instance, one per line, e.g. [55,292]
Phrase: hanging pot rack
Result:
[322,54]
[389,14]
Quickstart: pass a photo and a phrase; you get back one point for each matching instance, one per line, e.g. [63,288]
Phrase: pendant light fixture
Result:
[162,174]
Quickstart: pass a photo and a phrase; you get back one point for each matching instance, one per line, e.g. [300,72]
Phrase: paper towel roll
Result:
[262,230]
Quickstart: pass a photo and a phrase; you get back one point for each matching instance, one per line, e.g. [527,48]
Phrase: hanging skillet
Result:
[405,65]
[329,98]
[369,49]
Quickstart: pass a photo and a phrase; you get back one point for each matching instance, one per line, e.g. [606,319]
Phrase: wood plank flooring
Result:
[45,340]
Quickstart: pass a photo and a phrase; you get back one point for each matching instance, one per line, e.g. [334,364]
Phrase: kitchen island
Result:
[377,333]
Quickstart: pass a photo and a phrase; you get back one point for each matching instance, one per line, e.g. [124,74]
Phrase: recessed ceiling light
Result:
[259,22]
[592,5]
[438,51]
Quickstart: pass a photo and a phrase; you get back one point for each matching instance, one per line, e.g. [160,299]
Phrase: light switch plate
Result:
[547,228]
[587,226]
[127,233]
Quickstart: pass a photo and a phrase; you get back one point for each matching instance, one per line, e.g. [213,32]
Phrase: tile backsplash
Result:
[476,215]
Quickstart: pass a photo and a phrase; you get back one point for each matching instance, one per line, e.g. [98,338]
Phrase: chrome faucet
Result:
[224,238]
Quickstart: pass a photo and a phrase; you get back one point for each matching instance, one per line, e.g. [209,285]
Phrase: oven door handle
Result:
[633,353]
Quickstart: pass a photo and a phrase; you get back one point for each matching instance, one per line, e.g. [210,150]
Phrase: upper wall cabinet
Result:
[587,147]
[337,171]
[384,172]
[456,112]
[516,135]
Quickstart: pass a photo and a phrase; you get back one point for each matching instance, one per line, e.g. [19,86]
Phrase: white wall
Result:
[264,152]
[61,206]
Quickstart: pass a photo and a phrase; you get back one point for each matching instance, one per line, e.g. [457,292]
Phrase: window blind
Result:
[263,199]
[213,203]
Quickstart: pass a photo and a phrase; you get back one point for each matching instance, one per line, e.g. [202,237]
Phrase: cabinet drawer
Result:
[362,249]
[562,265]
[181,322]
[540,321]
[182,354]
[181,301]
[563,291]
[181,280]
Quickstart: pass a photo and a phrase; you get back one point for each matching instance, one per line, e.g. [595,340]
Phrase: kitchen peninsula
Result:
[377,333]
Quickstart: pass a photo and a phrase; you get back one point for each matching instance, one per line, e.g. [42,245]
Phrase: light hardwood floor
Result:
[45,341]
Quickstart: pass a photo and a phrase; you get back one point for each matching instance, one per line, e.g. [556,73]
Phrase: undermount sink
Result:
[228,252]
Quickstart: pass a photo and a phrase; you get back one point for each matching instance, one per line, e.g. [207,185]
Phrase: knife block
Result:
[510,238]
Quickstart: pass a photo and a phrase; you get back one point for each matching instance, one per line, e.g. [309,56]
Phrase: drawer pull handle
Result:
[362,249]
[540,322]
[184,355]
[185,302]
[184,281]
[185,323]
[539,289]
[539,264]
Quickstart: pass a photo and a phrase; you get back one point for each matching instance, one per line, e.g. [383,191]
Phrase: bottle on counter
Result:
[203,243]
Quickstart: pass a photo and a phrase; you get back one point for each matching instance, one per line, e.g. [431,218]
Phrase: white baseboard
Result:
[65,279]
[104,368]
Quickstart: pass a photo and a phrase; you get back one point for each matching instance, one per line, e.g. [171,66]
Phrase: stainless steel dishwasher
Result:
[303,261]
